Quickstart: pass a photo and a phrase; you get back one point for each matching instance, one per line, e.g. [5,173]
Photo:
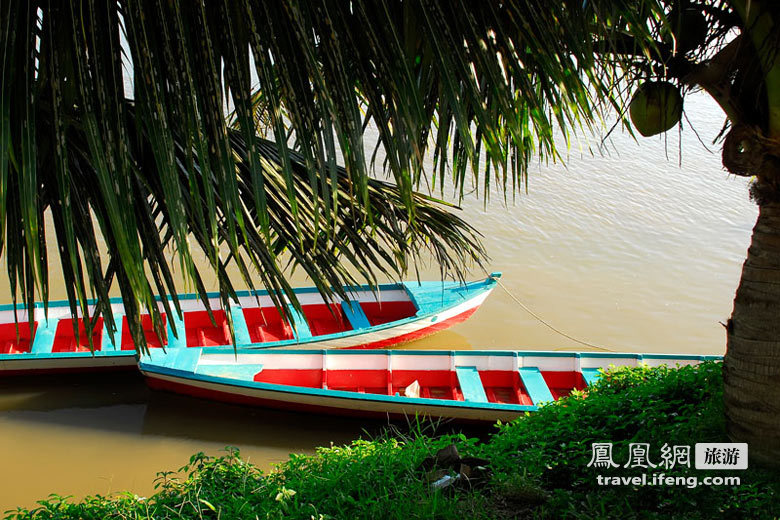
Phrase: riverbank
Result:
[536,466]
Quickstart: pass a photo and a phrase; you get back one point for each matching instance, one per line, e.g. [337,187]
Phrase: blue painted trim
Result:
[241,372]
[239,325]
[354,313]
[471,384]
[298,323]
[61,355]
[432,297]
[591,375]
[183,359]
[535,385]
[178,321]
[109,343]
[247,349]
[44,336]
[330,352]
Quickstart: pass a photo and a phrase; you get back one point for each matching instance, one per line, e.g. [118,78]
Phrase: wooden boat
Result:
[461,385]
[397,313]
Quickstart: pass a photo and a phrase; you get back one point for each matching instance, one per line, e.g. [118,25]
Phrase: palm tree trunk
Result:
[751,369]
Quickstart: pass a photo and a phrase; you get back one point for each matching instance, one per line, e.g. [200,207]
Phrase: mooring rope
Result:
[543,321]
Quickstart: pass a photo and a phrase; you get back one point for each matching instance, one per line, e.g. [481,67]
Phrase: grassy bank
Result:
[538,467]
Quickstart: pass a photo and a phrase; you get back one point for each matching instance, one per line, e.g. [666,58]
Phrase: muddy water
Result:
[627,251]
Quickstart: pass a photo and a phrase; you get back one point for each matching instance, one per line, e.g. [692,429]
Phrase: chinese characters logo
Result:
[708,455]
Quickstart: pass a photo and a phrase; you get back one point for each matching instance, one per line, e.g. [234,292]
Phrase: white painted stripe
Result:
[86,362]
[63,312]
[422,362]
[362,362]
[8,316]
[487,362]
[308,298]
[411,360]
[593,362]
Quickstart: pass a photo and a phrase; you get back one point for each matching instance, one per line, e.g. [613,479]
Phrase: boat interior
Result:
[15,339]
[491,379]
[492,386]
[264,323]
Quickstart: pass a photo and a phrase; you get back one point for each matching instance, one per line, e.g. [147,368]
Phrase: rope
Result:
[545,323]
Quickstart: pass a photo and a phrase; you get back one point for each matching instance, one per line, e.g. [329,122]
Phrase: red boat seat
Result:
[383,312]
[10,343]
[201,332]
[152,341]
[364,381]
[434,384]
[266,325]
[504,386]
[65,339]
[311,378]
[325,319]
[562,383]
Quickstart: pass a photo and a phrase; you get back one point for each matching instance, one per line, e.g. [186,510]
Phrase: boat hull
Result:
[25,365]
[469,386]
[325,405]
[401,313]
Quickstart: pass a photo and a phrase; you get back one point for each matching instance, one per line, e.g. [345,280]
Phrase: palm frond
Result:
[483,88]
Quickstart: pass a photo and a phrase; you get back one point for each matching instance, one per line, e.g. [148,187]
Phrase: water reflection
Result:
[183,417]
[629,251]
[86,434]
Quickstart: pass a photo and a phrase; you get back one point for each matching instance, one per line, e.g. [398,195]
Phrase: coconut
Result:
[689,28]
[656,107]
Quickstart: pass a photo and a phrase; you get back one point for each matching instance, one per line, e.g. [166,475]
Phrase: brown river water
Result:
[628,250]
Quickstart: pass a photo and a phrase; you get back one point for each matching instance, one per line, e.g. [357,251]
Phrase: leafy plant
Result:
[154,168]
[539,462]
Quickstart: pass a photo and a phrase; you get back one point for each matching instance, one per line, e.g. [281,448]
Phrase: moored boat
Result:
[461,385]
[394,314]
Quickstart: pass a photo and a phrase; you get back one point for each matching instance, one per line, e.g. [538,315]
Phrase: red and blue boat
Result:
[389,315]
[461,385]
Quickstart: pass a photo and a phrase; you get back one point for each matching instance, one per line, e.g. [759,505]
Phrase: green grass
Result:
[539,465]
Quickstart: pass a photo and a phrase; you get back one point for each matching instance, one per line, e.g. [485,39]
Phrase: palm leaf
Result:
[483,88]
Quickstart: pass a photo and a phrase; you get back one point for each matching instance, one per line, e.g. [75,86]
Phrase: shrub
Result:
[539,462]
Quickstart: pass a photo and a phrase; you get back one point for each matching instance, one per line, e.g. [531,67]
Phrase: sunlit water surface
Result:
[627,251]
